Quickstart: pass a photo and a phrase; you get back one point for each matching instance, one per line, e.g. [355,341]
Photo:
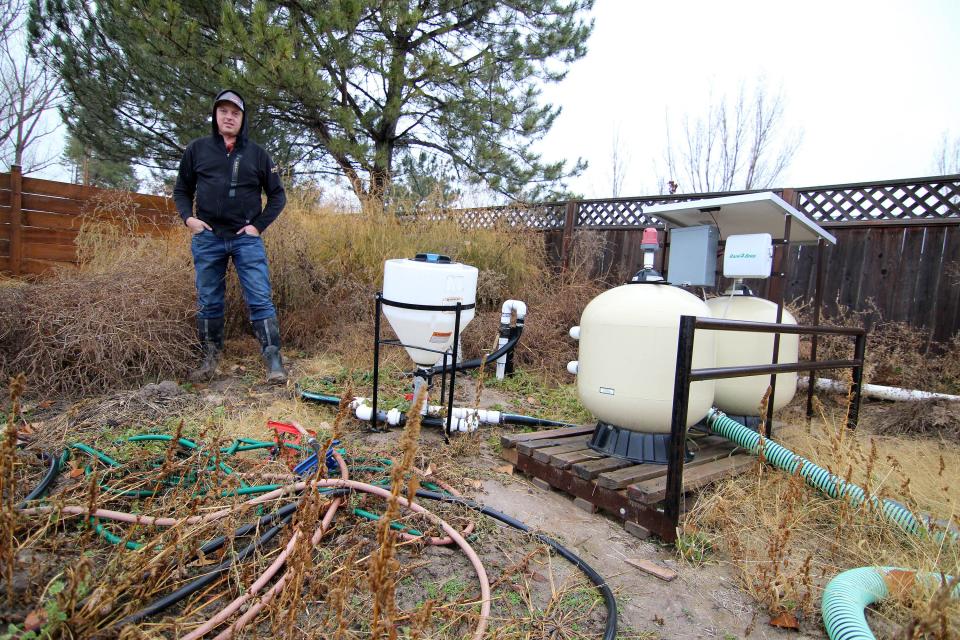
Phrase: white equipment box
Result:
[748,256]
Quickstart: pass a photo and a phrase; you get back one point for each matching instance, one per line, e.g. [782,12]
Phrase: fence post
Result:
[16,225]
[569,220]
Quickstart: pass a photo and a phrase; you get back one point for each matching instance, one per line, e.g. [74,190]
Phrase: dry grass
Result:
[122,318]
[786,541]
[74,584]
[125,315]
[896,354]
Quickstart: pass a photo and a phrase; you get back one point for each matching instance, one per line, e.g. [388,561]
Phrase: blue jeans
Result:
[210,256]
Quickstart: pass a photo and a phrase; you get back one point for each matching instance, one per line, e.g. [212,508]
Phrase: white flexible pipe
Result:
[877,390]
[506,313]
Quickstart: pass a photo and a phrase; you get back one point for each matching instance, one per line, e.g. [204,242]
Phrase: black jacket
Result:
[227,187]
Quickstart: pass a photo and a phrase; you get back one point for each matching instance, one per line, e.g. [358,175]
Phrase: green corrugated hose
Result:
[819,478]
[850,592]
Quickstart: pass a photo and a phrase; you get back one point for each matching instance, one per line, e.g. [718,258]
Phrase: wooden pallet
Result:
[561,458]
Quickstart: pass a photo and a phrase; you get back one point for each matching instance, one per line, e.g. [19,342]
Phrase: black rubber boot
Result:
[268,333]
[210,332]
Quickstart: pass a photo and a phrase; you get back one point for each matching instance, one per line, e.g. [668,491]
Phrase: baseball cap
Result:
[230,96]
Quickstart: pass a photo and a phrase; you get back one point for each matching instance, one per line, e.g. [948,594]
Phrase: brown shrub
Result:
[123,317]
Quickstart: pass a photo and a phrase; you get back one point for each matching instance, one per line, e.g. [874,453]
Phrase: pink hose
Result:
[409,537]
[278,562]
[452,535]
[133,518]
[433,540]
[366,488]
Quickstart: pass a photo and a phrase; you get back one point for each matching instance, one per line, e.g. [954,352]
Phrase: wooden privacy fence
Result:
[40,219]
[898,241]
[898,244]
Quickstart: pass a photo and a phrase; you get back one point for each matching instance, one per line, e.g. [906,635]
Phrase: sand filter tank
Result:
[742,396]
[427,280]
[627,363]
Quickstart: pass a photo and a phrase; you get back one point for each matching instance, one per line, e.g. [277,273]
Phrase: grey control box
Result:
[693,256]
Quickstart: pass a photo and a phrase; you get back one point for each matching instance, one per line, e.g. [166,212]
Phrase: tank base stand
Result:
[635,446]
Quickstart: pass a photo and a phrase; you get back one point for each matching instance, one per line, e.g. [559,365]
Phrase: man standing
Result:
[218,196]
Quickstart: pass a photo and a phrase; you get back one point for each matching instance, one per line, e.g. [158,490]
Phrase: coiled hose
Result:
[850,592]
[818,477]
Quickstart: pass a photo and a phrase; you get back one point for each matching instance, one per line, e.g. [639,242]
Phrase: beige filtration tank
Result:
[742,396]
[628,355]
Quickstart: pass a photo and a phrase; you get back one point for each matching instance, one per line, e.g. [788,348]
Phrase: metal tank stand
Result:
[449,356]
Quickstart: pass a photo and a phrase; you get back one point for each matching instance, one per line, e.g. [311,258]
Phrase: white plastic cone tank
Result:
[430,280]
[742,396]
[628,356]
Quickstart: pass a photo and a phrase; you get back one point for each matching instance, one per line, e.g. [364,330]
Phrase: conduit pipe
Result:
[465,419]
[878,391]
[850,592]
[819,478]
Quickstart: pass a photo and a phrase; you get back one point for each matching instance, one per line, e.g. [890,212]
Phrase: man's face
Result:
[229,119]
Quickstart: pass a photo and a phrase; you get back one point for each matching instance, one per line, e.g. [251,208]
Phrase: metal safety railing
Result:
[685,375]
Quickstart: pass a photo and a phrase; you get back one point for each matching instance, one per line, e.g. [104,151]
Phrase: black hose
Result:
[610,632]
[431,421]
[219,541]
[513,418]
[475,363]
[285,513]
[199,583]
[47,480]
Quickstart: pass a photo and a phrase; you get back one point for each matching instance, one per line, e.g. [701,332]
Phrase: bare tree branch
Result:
[619,163]
[947,158]
[28,95]
[739,144]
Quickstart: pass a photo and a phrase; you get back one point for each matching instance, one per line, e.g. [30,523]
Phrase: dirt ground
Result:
[703,602]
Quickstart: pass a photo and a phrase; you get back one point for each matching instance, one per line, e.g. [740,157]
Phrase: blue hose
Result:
[819,478]
[850,592]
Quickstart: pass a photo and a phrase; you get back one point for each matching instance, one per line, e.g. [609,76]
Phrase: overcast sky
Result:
[873,86]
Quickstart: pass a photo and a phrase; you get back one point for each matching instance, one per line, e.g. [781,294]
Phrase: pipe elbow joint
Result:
[506,311]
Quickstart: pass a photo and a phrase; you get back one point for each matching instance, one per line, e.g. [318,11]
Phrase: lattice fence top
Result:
[916,199]
[614,213]
[543,216]
[900,200]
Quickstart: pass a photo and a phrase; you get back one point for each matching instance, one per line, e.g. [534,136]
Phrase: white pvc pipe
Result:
[465,420]
[877,391]
[506,314]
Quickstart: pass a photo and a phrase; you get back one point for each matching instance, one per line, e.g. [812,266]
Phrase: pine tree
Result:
[337,87]
[422,183]
[89,168]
